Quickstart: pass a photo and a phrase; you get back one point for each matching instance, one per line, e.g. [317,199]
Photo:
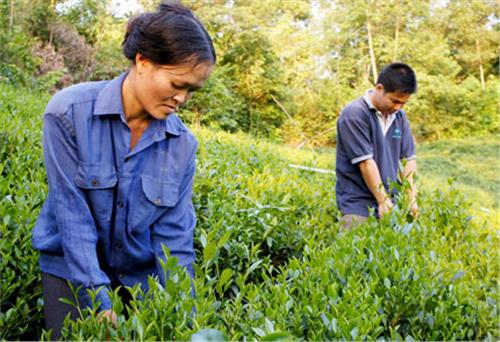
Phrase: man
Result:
[373,141]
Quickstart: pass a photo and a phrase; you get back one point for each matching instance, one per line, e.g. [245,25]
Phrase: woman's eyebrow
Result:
[188,85]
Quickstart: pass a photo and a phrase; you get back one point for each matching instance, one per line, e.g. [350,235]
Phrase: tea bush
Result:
[22,192]
[272,261]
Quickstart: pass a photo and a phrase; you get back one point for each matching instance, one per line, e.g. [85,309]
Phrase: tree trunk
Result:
[250,114]
[366,71]
[11,15]
[372,53]
[338,74]
[396,34]
[481,71]
[51,28]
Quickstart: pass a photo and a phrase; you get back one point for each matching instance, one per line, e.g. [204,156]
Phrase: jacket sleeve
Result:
[74,219]
[175,228]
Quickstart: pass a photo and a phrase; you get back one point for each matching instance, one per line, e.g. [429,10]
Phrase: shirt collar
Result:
[109,101]
[172,125]
[368,100]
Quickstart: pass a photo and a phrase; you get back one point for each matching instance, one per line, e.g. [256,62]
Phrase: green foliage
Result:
[472,40]
[22,192]
[472,163]
[164,312]
[86,16]
[251,76]
[267,222]
[217,104]
[392,279]
[41,19]
[272,261]
[109,61]
[17,64]
[442,109]
[287,68]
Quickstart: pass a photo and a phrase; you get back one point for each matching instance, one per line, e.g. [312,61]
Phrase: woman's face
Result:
[161,89]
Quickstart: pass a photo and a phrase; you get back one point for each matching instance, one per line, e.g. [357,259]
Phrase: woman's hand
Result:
[108,315]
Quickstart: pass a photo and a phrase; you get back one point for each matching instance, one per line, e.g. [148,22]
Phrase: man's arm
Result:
[371,176]
[408,173]
[409,155]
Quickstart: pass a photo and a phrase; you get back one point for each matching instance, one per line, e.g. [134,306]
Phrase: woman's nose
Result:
[181,96]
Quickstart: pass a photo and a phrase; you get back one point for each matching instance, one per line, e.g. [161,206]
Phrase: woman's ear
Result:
[141,63]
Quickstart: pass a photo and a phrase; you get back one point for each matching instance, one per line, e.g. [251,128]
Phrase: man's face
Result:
[388,103]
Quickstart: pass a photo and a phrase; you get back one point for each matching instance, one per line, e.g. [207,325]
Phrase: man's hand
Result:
[109,316]
[414,209]
[371,176]
[408,172]
[384,207]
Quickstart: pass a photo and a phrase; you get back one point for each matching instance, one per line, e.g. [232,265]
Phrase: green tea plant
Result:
[272,263]
[22,192]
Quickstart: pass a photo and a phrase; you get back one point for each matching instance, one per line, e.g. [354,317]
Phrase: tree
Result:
[472,37]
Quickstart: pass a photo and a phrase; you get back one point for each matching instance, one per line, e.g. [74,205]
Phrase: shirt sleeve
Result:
[177,224]
[74,220]
[408,150]
[355,136]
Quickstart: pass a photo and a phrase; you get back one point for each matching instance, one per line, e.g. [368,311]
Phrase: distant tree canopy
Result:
[286,68]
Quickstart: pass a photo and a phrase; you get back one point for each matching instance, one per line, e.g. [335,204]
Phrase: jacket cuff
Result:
[102,300]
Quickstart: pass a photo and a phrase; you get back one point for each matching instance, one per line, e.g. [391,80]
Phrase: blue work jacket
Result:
[109,209]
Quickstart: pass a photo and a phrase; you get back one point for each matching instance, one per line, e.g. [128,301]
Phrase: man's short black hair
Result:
[398,77]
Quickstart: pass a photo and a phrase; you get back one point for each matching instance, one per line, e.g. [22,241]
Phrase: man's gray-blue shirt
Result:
[360,136]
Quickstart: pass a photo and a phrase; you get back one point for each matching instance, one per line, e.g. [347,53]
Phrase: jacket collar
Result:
[109,102]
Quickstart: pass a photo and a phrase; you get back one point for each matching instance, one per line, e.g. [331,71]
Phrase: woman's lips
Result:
[169,108]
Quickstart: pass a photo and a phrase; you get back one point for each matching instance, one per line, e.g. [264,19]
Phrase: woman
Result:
[120,167]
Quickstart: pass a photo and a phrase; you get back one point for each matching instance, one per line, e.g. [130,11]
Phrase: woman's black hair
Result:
[170,36]
[398,77]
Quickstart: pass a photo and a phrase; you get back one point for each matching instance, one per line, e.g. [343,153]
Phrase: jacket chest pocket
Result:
[155,197]
[98,182]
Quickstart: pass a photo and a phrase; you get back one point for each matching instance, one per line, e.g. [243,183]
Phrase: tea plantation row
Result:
[272,262]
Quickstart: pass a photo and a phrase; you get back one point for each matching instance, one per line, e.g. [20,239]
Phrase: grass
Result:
[473,164]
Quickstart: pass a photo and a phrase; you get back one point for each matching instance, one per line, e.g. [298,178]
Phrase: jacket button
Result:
[158,201]
[118,244]
[94,182]
[119,204]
